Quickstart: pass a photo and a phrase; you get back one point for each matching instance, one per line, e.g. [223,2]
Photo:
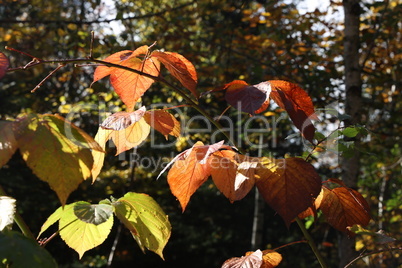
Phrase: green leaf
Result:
[8,144]
[53,218]
[56,151]
[350,131]
[145,219]
[79,235]
[19,251]
[95,214]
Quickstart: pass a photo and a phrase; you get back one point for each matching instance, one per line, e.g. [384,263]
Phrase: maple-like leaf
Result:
[122,120]
[179,67]
[57,151]
[297,104]
[247,98]
[344,207]
[128,85]
[190,170]
[164,122]
[288,185]
[4,63]
[233,174]
[8,144]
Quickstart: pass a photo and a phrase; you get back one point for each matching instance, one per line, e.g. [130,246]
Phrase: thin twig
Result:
[23,53]
[371,253]
[47,77]
[91,45]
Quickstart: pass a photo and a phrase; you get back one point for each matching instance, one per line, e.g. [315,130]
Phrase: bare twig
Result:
[47,77]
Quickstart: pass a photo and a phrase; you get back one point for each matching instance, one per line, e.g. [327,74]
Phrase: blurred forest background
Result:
[226,40]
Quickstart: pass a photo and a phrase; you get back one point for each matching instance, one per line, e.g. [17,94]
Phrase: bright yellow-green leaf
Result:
[8,144]
[79,235]
[56,151]
[53,218]
[145,219]
[101,137]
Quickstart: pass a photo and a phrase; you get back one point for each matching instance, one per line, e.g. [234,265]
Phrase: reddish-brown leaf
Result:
[8,144]
[344,207]
[251,260]
[4,63]
[122,120]
[164,122]
[233,174]
[297,104]
[247,98]
[288,185]
[179,67]
[312,211]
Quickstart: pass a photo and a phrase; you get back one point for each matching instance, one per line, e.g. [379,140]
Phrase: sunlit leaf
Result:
[52,219]
[56,151]
[253,260]
[288,185]
[164,122]
[4,63]
[179,67]
[95,214]
[116,58]
[344,207]
[8,144]
[130,137]
[145,219]
[102,136]
[7,212]
[270,259]
[122,120]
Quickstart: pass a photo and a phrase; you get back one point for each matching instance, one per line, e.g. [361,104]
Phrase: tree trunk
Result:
[353,107]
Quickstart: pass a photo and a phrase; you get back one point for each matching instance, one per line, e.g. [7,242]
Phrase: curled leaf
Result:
[4,63]
[164,122]
[122,120]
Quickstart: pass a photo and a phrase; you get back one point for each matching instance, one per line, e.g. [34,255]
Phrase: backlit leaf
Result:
[4,63]
[179,67]
[253,260]
[56,151]
[122,120]
[145,219]
[288,185]
[270,259]
[247,98]
[102,136]
[8,144]
[233,174]
[297,104]
[52,219]
[164,122]
[95,214]
[130,137]
[80,235]
[344,207]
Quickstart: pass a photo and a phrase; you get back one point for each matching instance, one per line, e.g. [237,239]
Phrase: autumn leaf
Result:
[122,120]
[101,137]
[288,185]
[297,104]
[253,260]
[8,144]
[270,259]
[4,63]
[57,151]
[179,67]
[233,174]
[247,98]
[164,122]
[128,85]
[344,207]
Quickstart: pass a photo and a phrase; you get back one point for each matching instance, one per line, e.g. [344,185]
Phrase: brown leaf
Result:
[344,207]
[233,174]
[288,185]
[297,104]
[122,120]
[8,144]
[179,67]
[4,63]
[247,98]
[251,260]
[164,122]
[312,211]
[130,137]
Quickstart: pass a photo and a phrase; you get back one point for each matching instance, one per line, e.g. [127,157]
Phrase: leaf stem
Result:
[19,221]
[312,244]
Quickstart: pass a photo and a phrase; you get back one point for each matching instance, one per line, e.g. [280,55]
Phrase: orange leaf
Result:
[116,58]
[270,259]
[130,137]
[122,120]
[312,211]
[102,136]
[179,67]
[288,185]
[233,174]
[164,122]
[4,63]
[247,98]
[251,260]
[297,104]
[344,207]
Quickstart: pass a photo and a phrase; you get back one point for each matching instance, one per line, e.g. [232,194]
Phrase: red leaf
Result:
[247,98]
[179,67]
[344,207]
[122,120]
[297,104]
[164,122]
[4,63]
